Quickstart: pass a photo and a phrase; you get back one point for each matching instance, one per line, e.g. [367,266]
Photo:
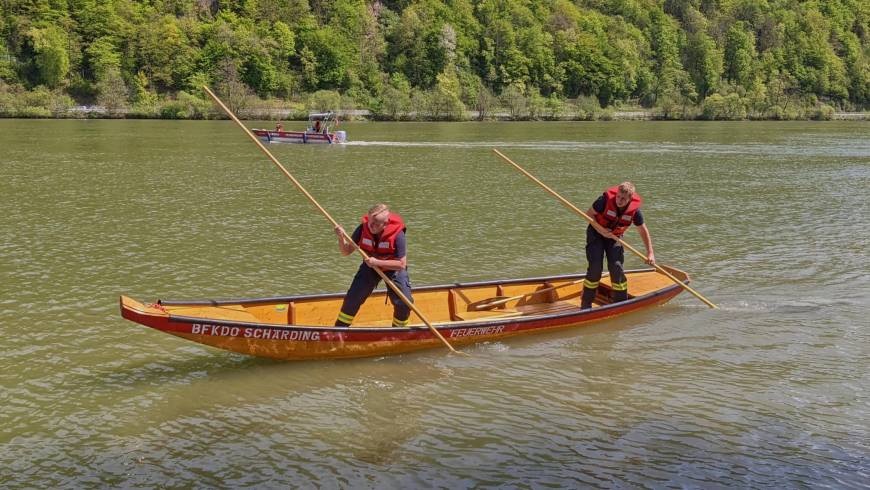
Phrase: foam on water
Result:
[795,149]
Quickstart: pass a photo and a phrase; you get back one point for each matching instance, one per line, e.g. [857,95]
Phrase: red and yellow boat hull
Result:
[299,327]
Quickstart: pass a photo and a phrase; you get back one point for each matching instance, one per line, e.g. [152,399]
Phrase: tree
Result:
[163,51]
[447,93]
[103,58]
[293,13]
[259,73]
[554,107]
[810,57]
[673,85]
[587,68]
[704,63]
[417,49]
[515,102]
[7,67]
[51,59]
[112,93]
[514,47]
[231,89]
[739,55]
[324,101]
[395,100]
[729,107]
[145,98]
[779,56]
[325,65]
[484,101]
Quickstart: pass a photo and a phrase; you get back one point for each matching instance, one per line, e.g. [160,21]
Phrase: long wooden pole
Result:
[386,279]
[599,228]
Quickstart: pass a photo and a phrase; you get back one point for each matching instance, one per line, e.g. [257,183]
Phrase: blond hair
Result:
[378,209]
[626,187]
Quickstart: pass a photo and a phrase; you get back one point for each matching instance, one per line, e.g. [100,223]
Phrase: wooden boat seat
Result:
[549,308]
[524,310]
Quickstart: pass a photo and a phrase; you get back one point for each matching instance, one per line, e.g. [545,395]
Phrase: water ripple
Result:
[770,390]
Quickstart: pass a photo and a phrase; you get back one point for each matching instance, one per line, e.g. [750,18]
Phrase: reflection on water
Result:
[769,391]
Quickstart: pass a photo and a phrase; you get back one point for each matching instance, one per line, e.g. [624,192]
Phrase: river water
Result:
[771,390]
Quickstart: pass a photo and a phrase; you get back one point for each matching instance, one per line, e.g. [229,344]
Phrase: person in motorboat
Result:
[614,212]
[381,235]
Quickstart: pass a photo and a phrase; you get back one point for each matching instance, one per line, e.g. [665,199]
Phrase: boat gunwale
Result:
[441,326]
[277,299]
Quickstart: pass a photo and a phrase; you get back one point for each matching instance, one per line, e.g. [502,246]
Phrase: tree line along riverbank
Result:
[42,104]
[437,60]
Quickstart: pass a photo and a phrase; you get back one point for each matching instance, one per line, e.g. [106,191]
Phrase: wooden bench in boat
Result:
[549,308]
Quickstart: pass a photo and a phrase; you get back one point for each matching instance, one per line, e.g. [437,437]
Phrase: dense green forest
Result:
[434,59]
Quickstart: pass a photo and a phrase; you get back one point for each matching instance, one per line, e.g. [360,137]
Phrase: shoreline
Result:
[95,112]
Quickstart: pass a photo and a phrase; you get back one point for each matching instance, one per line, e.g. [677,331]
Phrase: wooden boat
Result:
[319,130]
[300,327]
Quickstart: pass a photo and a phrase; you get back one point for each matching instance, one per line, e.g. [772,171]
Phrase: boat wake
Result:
[781,150]
[789,307]
[550,145]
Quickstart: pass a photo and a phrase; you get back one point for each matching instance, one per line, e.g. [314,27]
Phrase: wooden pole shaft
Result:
[598,227]
[299,186]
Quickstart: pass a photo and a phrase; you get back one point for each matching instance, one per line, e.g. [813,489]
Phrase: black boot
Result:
[619,296]
[588,297]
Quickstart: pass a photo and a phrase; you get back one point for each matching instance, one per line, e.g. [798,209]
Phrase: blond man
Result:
[381,235]
[614,212]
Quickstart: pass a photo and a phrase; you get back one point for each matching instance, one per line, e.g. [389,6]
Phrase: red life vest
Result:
[611,219]
[385,247]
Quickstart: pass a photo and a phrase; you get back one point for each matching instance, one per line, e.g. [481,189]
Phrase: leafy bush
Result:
[822,112]
[185,106]
[33,112]
[587,108]
[324,100]
[729,107]
[515,102]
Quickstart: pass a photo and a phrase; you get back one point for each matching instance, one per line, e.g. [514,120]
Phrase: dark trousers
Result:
[364,282]
[597,247]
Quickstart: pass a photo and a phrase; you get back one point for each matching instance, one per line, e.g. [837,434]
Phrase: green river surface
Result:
[769,218]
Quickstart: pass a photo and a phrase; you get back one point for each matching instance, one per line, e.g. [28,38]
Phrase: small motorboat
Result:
[301,327]
[320,130]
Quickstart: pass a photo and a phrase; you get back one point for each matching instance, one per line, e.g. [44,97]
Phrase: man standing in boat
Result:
[382,236]
[613,212]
